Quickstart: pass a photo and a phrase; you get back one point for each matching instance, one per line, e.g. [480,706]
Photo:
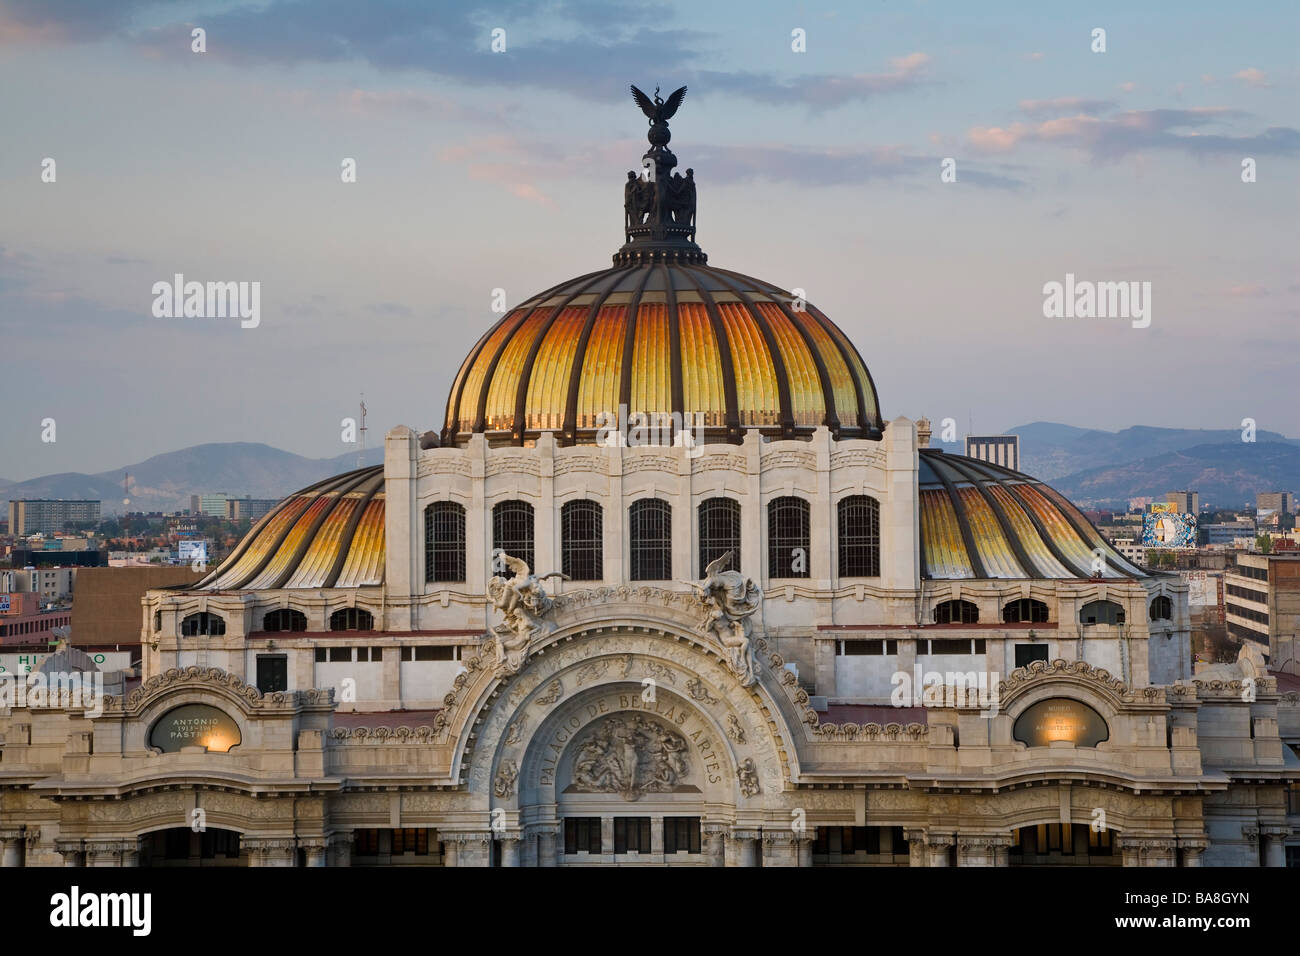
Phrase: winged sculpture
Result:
[659,111]
[523,604]
[730,599]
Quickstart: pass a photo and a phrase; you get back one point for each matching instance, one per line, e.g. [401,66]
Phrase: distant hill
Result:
[1050,451]
[165,482]
[1226,474]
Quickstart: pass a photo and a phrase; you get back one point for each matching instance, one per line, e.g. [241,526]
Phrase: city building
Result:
[44,516]
[1281,502]
[51,584]
[213,505]
[239,509]
[665,581]
[1130,548]
[1262,603]
[1001,450]
[1228,534]
[24,621]
[1184,502]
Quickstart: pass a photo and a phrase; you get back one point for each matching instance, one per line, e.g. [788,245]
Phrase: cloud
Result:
[820,91]
[1066,104]
[1252,77]
[586,48]
[1132,131]
[1033,57]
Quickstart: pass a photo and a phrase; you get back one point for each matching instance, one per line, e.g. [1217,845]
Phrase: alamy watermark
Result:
[212,300]
[58,690]
[651,429]
[1085,299]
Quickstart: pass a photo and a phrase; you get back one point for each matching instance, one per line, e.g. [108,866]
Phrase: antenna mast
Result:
[361,449]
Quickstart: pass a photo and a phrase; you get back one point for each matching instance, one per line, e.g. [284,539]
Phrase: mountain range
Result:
[1094,468]
[165,482]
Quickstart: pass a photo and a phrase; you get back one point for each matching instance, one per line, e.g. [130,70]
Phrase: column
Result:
[915,844]
[450,849]
[779,849]
[510,850]
[714,843]
[976,850]
[71,851]
[1273,845]
[1002,852]
[104,853]
[743,848]
[315,851]
[804,848]
[11,847]
[1192,848]
[937,844]
[657,836]
[1130,851]
[341,848]
[131,853]
[270,851]
[546,845]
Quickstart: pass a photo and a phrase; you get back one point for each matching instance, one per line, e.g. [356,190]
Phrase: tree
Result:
[1264,544]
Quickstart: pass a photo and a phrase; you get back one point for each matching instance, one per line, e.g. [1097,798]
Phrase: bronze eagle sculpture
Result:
[659,111]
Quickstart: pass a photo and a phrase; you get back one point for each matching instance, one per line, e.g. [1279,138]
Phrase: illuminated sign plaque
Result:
[195,725]
[1057,719]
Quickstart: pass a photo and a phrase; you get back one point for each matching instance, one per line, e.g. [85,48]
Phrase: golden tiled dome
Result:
[662,337]
[329,535]
[980,520]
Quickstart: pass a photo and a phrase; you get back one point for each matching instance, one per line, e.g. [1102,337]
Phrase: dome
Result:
[662,338]
[980,520]
[329,535]
[661,334]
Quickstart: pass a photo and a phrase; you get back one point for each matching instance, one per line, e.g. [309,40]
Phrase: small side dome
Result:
[979,520]
[329,535]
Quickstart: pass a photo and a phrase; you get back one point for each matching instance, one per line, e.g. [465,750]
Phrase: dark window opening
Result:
[719,532]
[1024,611]
[284,619]
[272,673]
[859,534]
[512,534]
[581,527]
[444,542]
[650,522]
[352,619]
[581,835]
[956,612]
[788,538]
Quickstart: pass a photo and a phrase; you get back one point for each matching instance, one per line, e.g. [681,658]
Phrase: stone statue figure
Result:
[504,785]
[747,774]
[730,600]
[631,201]
[523,604]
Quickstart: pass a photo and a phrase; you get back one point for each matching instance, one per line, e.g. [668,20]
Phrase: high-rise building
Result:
[1262,600]
[213,505]
[1001,450]
[1185,502]
[1280,501]
[237,509]
[45,516]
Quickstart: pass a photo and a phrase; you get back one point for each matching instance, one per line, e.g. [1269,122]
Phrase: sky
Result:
[479,170]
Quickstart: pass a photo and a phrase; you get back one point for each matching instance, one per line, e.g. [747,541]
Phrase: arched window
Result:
[512,532]
[788,538]
[1101,612]
[719,531]
[580,540]
[1162,608]
[1025,611]
[285,619]
[956,612]
[352,619]
[203,624]
[444,542]
[650,524]
[859,527]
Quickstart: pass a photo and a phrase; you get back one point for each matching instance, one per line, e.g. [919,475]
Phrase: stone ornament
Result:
[630,757]
[504,785]
[734,730]
[747,773]
[699,692]
[524,605]
[730,599]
